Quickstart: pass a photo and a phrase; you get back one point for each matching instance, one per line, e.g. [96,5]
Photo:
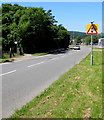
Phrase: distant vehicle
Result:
[77,47]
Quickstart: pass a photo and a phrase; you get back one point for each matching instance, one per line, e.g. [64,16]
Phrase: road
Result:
[23,80]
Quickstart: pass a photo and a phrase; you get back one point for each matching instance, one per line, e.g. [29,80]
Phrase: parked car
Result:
[77,47]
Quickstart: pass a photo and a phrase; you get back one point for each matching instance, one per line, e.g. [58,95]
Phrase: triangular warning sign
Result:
[92,30]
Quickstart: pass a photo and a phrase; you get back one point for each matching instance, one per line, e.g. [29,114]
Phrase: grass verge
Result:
[99,48]
[6,57]
[40,54]
[76,94]
[5,60]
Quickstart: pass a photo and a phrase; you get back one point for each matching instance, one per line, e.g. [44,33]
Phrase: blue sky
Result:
[73,15]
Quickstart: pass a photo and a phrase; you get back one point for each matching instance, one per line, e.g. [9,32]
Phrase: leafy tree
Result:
[78,39]
[95,39]
[8,25]
[62,37]
[87,40]
[34,29]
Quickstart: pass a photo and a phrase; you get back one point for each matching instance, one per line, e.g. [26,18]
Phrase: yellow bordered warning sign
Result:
[92,29]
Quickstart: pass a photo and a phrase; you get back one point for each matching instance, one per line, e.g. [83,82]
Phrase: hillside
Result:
[77,33]
[83,34]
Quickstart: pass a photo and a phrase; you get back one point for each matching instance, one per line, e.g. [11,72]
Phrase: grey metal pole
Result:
[73,38]
[91,59]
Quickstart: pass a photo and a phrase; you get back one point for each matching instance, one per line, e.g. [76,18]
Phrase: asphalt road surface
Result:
[23,80]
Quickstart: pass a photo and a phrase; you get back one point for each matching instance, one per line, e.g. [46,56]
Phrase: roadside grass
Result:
[5,60]
[96,47]
[6,57]
[76,94]
[99,48]
[40,54]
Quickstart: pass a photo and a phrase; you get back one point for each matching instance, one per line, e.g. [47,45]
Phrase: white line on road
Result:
[63,56]
[36,64]
[54,58]
[42,62]
[66,55]
[70,53]
[7,73]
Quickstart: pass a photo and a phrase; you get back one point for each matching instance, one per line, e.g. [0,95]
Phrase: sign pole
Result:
[92,29]
[91,59]
[91,45]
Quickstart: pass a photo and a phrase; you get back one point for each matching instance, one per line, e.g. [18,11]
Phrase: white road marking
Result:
[35,64]
[66,55]
[63,56]
[54,58]
[70,53]
[43,56]
[60,57]
[7,73]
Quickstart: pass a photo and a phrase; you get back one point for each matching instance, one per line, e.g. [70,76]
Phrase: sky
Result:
[72,15]
[53,0]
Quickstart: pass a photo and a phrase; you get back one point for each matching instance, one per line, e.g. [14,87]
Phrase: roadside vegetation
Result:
[31,29]
[5,60]
[76,94]
[6,57]
[99,48]
[35,54]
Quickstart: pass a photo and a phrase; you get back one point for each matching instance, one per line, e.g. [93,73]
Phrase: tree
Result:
[62,37]
[87,40]
[9,27]
[95,39]
[34,29]
[78,39]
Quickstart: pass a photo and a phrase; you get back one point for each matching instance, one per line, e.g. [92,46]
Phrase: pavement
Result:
[24,57]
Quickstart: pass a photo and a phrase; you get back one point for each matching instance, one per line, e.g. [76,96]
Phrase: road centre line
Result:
[60,57]
[54,58]
[70,53]
[63,56]
[35,64]
[49,60]
[66,55]
[42,62]
[7,73]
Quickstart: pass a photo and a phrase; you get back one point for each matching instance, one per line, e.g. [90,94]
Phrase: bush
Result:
[5,56]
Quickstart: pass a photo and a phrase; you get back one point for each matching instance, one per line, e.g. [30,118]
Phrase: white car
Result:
[77,47]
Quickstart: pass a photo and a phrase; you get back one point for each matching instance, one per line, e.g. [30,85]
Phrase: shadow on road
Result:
[59,51]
